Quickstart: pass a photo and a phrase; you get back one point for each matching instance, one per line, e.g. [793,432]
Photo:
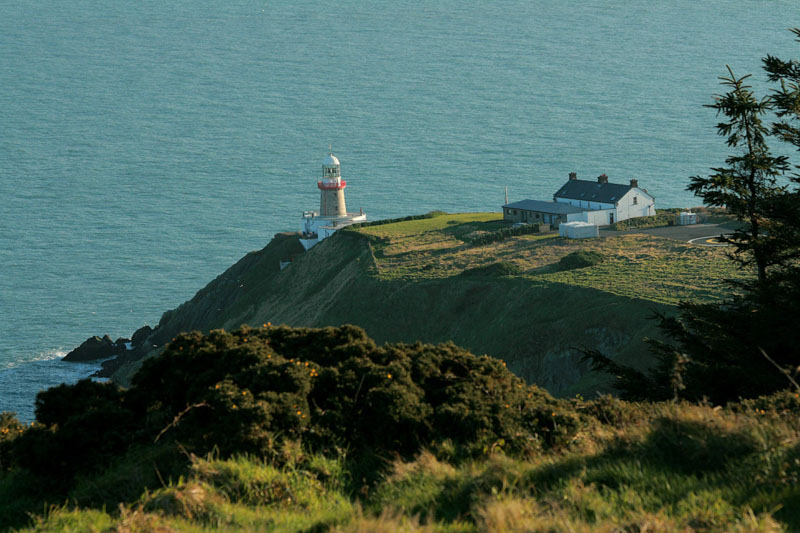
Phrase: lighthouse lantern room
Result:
[332,213]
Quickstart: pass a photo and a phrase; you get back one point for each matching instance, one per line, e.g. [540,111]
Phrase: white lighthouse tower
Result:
[331,186]
[332,213]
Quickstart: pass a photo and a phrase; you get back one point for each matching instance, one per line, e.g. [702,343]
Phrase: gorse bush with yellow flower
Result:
[333,389]
[10,429]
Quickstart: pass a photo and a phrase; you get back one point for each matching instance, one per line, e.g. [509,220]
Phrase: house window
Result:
[635,200]
[537,215]
[515,211]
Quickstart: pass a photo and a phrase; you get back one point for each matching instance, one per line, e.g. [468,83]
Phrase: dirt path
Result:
[700,234]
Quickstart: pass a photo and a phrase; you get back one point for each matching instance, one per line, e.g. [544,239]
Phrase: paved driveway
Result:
[679,233]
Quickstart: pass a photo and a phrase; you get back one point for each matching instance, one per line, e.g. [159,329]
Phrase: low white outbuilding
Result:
[578,230]
[687,218]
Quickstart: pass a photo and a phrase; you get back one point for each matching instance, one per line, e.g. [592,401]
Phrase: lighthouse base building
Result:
[332,214]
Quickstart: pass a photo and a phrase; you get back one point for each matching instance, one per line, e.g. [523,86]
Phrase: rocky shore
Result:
[113,353]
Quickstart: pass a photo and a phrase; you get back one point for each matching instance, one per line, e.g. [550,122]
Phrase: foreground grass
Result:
[636,467]
[637,265]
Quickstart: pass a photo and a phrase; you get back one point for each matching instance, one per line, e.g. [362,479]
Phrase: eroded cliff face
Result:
[535,327]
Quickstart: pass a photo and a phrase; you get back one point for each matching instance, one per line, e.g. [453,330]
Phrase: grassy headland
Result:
[638,266]
[436,279]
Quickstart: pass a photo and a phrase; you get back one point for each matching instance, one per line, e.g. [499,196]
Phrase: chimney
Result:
[602,178]
[573,175]
[634,183]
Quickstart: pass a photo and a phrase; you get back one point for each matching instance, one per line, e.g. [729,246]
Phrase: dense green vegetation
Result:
[254,391]
[285,429]
[663,217]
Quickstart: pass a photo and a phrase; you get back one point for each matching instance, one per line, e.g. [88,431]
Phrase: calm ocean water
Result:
[146,146]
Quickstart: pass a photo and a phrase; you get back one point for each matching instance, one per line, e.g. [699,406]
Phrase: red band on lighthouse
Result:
[341,184]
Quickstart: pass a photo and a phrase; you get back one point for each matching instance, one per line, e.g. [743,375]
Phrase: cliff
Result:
[534,321]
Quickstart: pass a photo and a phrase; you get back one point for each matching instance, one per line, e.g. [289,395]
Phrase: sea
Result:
[145,146]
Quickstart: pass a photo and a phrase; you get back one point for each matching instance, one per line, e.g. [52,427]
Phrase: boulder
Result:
[141,335]
[94,348]
[122,341]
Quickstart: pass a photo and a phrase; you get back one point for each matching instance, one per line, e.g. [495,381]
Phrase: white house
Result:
[596,202]
[604,203]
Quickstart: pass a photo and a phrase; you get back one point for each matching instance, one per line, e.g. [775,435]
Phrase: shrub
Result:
[80,427]
[612,411]
[786,402]
[501,268]
[653,221]
[580,259]
[253,390]
[192,501]
[10,429]
[505,233]
[260,392]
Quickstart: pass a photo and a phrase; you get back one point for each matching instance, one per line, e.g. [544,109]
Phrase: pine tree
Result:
[786,105]
[746,345]
[747,186]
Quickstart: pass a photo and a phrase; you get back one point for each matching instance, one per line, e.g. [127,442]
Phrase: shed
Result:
[532,211]
[578,230]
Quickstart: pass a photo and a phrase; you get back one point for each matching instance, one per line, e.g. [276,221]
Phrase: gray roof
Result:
[556,208]
[591,191]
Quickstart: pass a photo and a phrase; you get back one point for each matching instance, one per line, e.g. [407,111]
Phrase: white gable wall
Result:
[635,203]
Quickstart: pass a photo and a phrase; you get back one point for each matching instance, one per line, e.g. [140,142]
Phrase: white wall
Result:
[644,206]
[325,227]
[585,204]
[578,230]
[622,210]
[599,217]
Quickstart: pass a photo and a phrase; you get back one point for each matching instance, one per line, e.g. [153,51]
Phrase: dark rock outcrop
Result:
[117,353]
[95,348]
[141,335]
[140,346]
[112,365]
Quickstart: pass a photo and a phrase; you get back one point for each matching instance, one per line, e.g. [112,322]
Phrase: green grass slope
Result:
[635,467]
[288,429]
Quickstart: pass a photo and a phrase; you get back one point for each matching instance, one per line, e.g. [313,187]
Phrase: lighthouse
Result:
[331,188]
[332,214]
